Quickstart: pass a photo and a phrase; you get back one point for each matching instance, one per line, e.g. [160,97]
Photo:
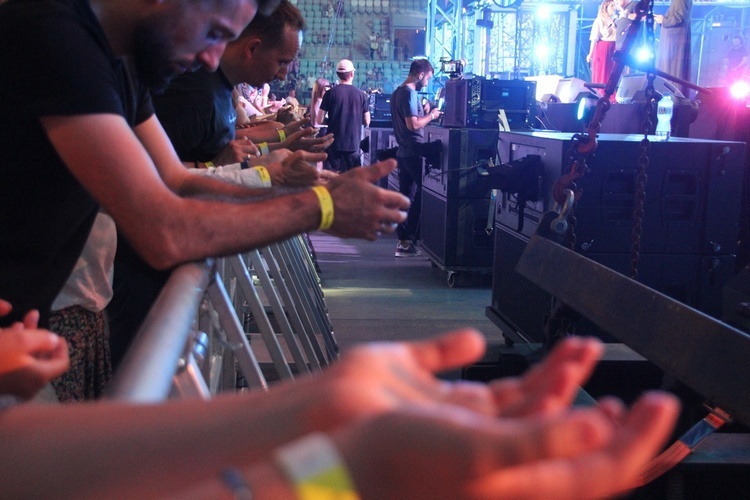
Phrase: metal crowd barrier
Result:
[214,319]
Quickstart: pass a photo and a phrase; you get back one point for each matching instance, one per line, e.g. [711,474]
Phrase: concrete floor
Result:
[372,295]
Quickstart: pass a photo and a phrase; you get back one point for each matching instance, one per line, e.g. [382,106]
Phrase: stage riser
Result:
[695,280]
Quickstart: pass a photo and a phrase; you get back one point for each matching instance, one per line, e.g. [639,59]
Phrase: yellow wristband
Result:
[314,466]
[263,146]
[326,206]
[282,135]
[209,164]
[265,177]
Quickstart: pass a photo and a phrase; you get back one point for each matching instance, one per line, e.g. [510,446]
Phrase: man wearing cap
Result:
[347,110]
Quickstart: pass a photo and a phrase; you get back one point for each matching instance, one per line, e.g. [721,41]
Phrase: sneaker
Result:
[407,251]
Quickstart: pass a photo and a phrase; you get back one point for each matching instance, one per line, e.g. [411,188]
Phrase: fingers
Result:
[295,126]
[249,148]
[31,319]
[450,350]
[377,170]
[312,157]
[647,427]
[56,363]
[551,385]
[316,144]
[5,307]
[39,342]
[328,174]
[364,210]
[19,348]
[596,471]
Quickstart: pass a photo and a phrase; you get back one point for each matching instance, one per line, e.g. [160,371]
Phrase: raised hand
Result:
[363,210]
[296,170]
[29,357]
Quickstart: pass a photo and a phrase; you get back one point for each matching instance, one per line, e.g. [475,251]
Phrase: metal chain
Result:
[643,160]
[640,198]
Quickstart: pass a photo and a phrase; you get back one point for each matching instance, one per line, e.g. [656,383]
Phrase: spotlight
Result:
[586,107]
[643,54]
[543,12]
[541,52]
[739,90]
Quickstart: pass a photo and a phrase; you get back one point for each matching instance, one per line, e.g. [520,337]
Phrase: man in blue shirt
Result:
[409,119]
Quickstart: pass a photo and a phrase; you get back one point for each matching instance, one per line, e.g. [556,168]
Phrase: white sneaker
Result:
[407,251]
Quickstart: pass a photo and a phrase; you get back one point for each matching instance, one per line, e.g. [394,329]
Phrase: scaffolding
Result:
[523,40]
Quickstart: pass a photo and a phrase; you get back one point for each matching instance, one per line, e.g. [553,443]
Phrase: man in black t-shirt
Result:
[347,110]
[96,140]
[197,112]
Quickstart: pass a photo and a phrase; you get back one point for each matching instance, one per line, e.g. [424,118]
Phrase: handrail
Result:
[146,373]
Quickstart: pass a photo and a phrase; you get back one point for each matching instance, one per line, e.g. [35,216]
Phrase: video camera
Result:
[453,67]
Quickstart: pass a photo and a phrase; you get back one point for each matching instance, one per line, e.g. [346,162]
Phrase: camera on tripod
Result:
[454,68]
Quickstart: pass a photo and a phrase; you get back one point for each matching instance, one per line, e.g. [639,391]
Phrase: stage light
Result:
[541,52]
[643,54]
[586,107]
[543,12]
[739,90]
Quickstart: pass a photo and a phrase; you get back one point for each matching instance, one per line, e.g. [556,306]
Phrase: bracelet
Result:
[326,206]
[314,466]
[263,146]
[233,480]
[265,177]
[282,135]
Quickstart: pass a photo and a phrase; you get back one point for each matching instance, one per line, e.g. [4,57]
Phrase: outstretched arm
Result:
[136,179]
[382,398]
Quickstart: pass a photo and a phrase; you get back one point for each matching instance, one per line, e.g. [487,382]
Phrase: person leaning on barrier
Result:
[196,111]
[98,142]
[377,424]
[258,56]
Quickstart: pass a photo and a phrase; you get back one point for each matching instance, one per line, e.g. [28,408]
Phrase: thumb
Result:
[449,350]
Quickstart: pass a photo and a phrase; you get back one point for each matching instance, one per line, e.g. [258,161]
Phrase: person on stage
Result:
[603,36]
[673,54]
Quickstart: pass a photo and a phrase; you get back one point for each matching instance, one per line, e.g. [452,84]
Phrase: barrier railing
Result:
[201,332]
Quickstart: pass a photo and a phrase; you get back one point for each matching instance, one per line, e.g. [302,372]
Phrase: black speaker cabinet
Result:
[690,224]
[393,176]
[475,102]
[692,201]
[378,142]
[454,232]
[519,307]
[463,149]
